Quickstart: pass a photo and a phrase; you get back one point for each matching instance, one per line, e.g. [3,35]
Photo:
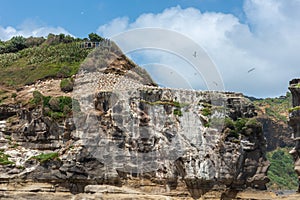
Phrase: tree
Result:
[68,39]
[18,43]
[15,44]
[95,38]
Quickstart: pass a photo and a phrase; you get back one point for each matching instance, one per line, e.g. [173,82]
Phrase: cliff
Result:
[294,122]
[273,114]
[118,128]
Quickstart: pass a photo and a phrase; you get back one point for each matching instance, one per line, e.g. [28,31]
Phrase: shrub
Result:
[66,85]
[240,125]
[15,44]
[95,38]
[55,107]
[228,123]
[37,97]
[206,111]
[177,112]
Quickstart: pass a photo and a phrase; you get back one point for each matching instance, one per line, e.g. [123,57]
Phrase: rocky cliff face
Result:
[203,140]
[125,131]
[294,122]
[277,133]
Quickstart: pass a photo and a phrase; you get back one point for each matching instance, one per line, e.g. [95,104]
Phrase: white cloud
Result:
[268,41]
[115,26]
[29,28]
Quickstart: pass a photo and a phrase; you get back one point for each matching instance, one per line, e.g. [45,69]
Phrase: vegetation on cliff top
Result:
[276,108]
[26,60]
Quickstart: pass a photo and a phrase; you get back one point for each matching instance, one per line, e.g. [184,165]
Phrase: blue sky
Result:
[238,35]
[81,17]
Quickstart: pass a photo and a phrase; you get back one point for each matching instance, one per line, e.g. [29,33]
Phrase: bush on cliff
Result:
[55,107]
[66,85]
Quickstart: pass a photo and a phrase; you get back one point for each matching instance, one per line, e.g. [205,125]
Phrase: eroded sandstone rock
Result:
[167,136]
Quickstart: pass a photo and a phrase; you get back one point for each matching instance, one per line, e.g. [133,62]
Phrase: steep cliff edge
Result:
[163,135]
[122,130]
[294,122]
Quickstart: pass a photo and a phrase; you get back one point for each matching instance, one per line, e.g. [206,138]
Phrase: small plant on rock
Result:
[44,157]
[66,85]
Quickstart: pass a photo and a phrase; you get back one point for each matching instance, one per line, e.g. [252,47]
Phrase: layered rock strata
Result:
[125,131]
[203,140]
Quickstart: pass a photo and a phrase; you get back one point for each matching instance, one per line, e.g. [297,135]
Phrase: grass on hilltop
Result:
[42,62]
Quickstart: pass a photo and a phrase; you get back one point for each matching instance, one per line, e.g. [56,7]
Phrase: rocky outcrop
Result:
[203,140]
[294,122]
[125,131]
[277,133]
[8,111]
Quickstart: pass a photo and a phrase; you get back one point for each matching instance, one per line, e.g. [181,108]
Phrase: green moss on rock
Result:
[44,157]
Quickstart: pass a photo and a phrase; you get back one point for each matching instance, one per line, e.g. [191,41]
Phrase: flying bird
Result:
[195,54]
[250,70]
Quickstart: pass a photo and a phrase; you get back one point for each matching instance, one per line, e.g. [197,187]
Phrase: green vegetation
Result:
[275,107]
[206,111]
[44,157]
[177,112]
[294,109]
[15,44]
[24,61]
[4,159]
[55,107]
[238,127]
[281,171]
[95,38]
[66,85]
